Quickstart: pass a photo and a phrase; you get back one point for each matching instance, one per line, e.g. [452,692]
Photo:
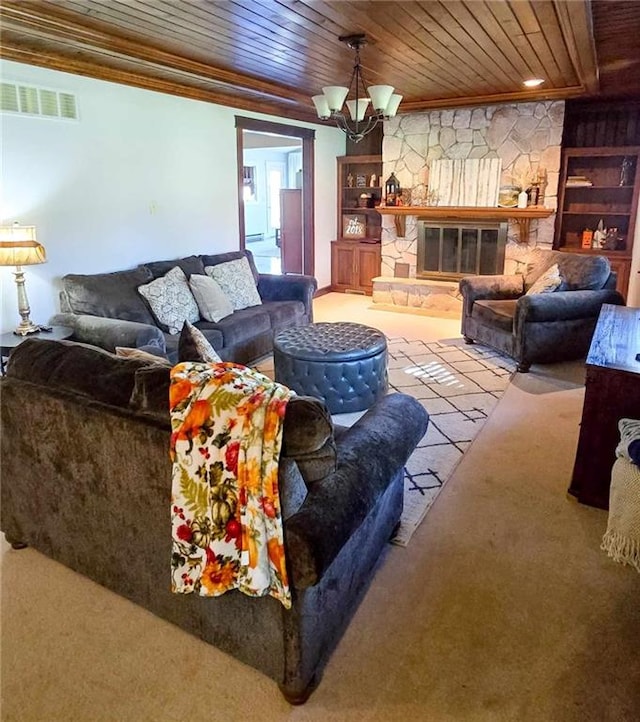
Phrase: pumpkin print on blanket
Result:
[226,423]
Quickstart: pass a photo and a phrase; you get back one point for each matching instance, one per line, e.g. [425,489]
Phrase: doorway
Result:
[275,195]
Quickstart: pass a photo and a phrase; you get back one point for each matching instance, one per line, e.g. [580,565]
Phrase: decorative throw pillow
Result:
[237,282]
[548,282]
[142,355]
[171,300]
[629,446]
[211,299]
[193,346]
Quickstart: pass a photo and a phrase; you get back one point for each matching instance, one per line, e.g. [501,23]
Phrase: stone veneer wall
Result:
[526,136]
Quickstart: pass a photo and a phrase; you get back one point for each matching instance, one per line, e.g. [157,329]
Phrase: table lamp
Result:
[18,247]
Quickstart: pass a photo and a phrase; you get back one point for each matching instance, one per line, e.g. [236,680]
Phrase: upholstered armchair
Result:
[550,321]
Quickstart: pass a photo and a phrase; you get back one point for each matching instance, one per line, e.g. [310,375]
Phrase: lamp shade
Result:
[380,96]
[19,247]
[335,95]
[392,106]
[322,107]
[357,113]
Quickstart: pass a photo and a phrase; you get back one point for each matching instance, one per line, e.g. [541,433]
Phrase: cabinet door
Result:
[368,266]
[622,267]
[343,262]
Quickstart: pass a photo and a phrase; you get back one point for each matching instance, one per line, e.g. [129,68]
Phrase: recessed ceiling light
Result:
[533,82]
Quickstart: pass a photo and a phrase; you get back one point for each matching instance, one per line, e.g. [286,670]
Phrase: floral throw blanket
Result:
[226,423]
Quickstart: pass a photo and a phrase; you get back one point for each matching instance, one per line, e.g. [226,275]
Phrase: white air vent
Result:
[29,100]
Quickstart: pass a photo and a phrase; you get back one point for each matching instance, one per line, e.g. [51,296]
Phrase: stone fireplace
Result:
[526,137]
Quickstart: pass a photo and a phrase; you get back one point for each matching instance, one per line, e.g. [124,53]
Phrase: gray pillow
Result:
[212,301]
[112,295]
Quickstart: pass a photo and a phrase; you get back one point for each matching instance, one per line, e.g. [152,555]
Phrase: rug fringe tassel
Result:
[622,549]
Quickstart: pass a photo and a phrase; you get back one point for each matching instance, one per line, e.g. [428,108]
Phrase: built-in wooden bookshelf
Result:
[599,184]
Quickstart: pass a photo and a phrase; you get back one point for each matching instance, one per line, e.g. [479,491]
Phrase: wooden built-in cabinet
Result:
[353,266]
[355,255]
[599,184]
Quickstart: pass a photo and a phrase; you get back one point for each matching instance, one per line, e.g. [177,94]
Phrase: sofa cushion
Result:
[583,273]
[240,326]
[171,300]
[213,302]
[77,368]
[237,282]
[216,259]
[193,346]
[579,272]
[285,313]
[497,314]
[308,438]
[150,395]
[112,295]
[189,264]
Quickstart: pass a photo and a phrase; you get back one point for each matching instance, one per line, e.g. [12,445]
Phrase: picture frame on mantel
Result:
[354,226]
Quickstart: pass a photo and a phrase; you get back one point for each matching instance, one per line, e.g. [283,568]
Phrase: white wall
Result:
[141,176]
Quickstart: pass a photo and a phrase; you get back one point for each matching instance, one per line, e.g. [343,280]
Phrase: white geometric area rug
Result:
[459,385]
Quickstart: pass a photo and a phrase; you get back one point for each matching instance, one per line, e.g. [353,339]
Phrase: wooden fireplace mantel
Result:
[522,216]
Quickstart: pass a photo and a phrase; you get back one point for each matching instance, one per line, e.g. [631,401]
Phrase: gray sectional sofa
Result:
[107,310]
[96,497]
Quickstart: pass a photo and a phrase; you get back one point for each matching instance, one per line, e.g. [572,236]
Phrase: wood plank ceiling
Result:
[273,55]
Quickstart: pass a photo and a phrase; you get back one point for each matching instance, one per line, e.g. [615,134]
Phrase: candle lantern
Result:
[392,190]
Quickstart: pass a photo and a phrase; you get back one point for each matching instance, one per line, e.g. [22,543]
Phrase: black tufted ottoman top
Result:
[341,341]
[343,363]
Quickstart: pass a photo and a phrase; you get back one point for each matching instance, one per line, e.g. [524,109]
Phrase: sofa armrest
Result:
[370,455]
[486,288]
[563,305]
[288,288]
[490,287]
[107,333]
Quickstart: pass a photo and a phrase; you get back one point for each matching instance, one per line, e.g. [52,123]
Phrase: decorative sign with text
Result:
[354,226]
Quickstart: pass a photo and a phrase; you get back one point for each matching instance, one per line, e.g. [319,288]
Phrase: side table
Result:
[612,392]
[9,341]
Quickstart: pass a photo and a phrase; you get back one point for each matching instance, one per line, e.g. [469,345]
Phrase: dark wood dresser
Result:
[612,392]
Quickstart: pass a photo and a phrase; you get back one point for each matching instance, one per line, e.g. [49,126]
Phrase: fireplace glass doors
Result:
[451,250]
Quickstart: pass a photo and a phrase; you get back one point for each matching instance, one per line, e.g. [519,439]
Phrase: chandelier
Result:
[384,102]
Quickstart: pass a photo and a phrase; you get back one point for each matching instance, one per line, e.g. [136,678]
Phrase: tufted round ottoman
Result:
[344,364]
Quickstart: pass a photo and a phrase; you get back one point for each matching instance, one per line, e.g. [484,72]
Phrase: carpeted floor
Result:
[502,607]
